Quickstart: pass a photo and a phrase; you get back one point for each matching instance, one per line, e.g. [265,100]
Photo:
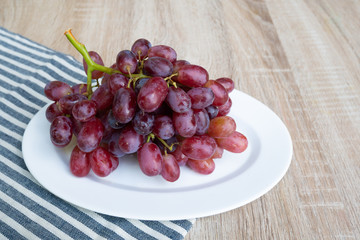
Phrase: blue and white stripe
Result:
[27,210]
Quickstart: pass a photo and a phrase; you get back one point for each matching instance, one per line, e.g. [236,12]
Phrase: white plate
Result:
[237,180]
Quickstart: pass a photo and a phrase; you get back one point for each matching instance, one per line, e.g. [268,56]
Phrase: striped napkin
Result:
[27,210]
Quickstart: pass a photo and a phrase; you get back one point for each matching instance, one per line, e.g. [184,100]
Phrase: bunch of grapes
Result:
[165,110]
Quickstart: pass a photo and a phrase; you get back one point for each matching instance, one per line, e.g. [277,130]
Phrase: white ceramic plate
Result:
[237,180]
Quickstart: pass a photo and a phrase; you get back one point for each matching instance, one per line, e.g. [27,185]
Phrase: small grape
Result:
[192,76]
[178,100]
[103,98]
[227,83]
[52,111]
[202,121]
[202,166]
[124,105]
[152,94]
[117,81]
[221,126]
[198,147]
[102,161]
[235,143]
[185,123]
[150,159]
[158,67]
[143,122]
[126,61]
[56,89]
[212,111]
[90,135]
[201,97]
[61,131]
[129,140]
[225,108]
[220,93]
[164,52]
[140,48]
[79,162]
[163,127]
[170,168]
[84,110]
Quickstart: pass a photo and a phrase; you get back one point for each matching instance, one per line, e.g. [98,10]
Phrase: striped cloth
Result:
[27,210]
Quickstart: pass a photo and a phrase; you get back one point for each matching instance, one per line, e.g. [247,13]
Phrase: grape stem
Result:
[92,66]
[151,136]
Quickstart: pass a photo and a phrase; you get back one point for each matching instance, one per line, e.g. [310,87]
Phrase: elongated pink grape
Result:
[235,143]
[124,105]
[198,147]
[129,140]
[220,93]
[202,166]
[102,161]
[52,111]
[221,126]
[170,168]
[56,89]
[201,97]
[141,48]
[192,75]
[227,83]
[178,100]
[79,163]
[103,98]
[126,61]
[90,135]
[61,131]
[185,123]
[152,94]
[225,108]
[163,51]
[150,159]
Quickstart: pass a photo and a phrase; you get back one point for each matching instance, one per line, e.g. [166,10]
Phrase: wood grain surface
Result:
[301,58]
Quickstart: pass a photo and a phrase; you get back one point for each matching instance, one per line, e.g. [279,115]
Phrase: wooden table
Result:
[301,58]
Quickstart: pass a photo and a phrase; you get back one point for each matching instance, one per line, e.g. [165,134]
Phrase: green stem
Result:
[92,66]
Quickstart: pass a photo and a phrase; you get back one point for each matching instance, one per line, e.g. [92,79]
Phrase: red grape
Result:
[152,94]
[201,97]
[143,122]
[113,145]
[117,81]
[222,126]
[202,121]
[126,61]
[227,83]
[192,76]
[150,159]
[220,93]
[163,127]
[61,131]
[124,105]
[202,166]
[90,135]
[80,88]
[198,147]
[170,168]
[180,157]
[141,48]
[185,123]
[235,143]
[84,110]
[179,63]
[158,67]
[55,90]
[66,103]
[164,52]
[52,111]
[102,97]
[212,111]
[79,162]
[129,140]
[178,100]
[225,108]
[102,161]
